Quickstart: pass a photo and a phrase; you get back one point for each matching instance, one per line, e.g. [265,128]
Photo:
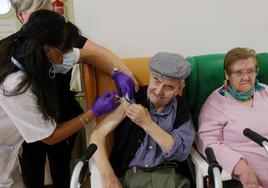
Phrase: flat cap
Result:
[170,65]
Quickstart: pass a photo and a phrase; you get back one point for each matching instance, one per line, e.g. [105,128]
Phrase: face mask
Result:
[241,96]
[69,60]
[245,96]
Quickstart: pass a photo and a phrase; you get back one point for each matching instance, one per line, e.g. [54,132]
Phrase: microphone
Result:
[214,169]
[91,149]
[254,136]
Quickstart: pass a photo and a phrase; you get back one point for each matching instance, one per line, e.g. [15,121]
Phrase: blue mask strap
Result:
[17,64]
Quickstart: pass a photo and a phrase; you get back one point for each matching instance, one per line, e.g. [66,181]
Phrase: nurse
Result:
[33,158]
[28,95]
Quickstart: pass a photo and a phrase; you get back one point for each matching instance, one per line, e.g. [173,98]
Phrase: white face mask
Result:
[69,60]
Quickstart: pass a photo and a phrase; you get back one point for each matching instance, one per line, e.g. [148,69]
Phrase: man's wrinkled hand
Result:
[139,115]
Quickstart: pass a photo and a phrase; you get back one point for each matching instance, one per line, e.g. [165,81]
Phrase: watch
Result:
[114,71]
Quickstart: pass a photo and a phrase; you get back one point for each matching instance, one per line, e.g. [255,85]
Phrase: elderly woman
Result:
[241,103]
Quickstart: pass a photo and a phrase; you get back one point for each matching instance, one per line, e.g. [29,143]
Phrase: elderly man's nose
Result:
[159,89]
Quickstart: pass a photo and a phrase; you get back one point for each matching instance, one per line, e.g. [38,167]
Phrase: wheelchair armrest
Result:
[201,167]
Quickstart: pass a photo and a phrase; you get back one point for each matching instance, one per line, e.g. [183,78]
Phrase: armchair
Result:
[206,76]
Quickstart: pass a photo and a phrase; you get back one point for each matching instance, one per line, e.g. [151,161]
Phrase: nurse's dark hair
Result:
[27,46]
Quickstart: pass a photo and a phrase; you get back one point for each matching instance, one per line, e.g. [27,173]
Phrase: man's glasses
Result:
[241,73]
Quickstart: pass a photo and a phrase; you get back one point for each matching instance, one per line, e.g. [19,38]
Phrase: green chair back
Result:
[208,74]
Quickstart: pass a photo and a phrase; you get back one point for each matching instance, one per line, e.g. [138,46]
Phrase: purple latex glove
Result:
[104,104]
[124,85]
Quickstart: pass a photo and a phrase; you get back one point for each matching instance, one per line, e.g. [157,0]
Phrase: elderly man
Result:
[155,134]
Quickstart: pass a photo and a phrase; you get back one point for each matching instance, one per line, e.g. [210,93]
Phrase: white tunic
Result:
[20,119]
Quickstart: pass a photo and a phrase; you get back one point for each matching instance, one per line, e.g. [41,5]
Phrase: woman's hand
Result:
[131,75]
[246,175]
[104,104]
[124,84]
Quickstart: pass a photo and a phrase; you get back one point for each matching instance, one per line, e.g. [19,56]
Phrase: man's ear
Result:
[20,16]
[180,89]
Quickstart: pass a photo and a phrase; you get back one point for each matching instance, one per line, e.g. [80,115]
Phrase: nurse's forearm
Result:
[101,57]
[66,129]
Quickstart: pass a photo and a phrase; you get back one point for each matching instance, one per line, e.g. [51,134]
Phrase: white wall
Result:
[133,28]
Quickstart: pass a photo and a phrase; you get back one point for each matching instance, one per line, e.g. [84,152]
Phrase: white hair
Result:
[30,5]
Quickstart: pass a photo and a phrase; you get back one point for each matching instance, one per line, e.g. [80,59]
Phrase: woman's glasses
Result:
[241,73]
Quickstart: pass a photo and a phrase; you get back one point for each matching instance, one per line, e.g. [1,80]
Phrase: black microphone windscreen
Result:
[254,136]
